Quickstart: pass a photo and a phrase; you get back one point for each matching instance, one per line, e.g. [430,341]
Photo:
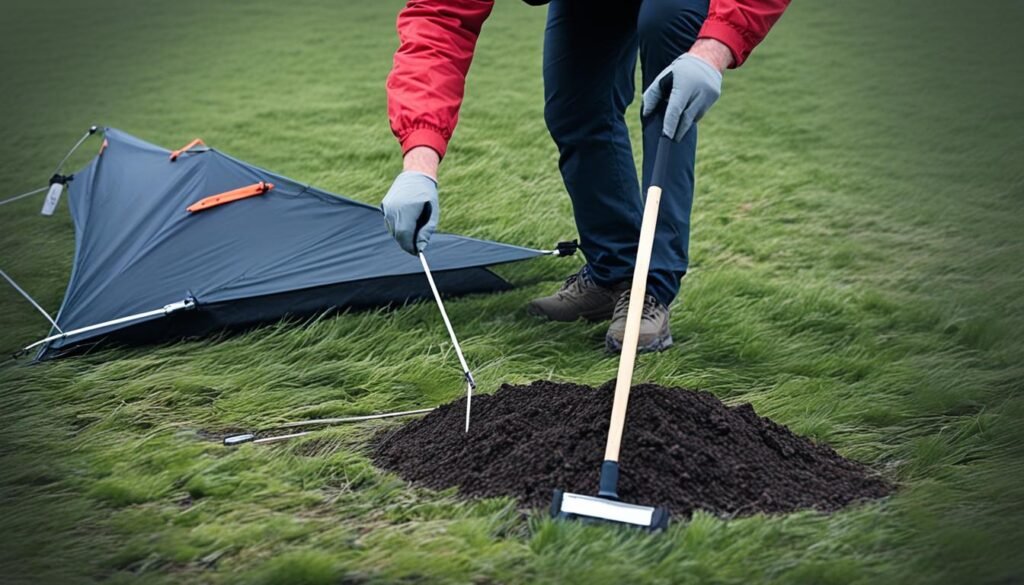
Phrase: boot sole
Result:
[612,345]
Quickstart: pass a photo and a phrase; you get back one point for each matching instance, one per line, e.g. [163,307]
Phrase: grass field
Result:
[857,276]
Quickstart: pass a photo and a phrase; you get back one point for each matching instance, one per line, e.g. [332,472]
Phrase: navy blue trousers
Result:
[590,54]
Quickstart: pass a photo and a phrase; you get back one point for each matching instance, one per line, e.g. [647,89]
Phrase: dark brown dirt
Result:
[682,449]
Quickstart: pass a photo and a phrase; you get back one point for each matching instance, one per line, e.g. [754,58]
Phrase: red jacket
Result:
[437,39]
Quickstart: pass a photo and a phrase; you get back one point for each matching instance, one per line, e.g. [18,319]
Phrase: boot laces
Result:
[575,281]
[650,304]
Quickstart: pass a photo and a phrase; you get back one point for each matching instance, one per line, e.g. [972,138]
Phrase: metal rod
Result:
[166,310]
[250,437]
[469,402]
[29,298]
[280,438]
[24,195]
[470,383]
[348,419]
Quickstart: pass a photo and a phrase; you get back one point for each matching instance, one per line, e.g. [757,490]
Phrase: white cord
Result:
[56,171]
[24,195]
[31,300]
[81,140]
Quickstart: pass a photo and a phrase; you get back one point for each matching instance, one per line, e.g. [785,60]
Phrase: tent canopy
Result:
[255,247]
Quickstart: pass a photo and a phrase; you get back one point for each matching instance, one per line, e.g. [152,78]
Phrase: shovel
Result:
[606,505]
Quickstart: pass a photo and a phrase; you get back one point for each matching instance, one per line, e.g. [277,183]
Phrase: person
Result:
[590,52]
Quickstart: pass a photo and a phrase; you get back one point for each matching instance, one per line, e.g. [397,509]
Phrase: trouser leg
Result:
[666,30]
[590,52]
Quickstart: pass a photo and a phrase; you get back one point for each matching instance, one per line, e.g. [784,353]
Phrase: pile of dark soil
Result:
[682,449]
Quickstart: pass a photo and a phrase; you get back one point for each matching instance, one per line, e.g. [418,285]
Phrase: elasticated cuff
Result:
[425,137]
[729,35]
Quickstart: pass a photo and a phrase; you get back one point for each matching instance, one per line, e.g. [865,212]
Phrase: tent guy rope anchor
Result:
[57,182]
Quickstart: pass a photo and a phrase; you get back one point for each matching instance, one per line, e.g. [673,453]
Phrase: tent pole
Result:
[29,298]
[186,304]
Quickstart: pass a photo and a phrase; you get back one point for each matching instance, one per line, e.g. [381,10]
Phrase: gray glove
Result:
[411,210]
[691,86]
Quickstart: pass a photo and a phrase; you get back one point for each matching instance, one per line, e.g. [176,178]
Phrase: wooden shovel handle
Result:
[636,303]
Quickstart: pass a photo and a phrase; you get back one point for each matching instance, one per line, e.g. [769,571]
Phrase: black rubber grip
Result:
[661,161]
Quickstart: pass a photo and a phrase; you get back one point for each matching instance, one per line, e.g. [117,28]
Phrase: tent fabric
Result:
[294,250]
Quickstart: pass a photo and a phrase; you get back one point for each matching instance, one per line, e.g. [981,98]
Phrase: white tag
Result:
[52,199]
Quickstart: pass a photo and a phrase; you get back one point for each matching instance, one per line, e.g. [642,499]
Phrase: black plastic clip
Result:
[59,179]
[566,248]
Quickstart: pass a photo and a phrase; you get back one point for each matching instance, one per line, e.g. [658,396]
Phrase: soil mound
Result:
[682,449]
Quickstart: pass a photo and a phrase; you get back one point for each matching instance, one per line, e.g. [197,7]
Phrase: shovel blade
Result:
[569,506]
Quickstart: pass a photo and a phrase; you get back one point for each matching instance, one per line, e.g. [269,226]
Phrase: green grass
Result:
[857,276]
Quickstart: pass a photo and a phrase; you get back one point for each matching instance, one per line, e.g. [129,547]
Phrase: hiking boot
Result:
[579,298]
[654,332]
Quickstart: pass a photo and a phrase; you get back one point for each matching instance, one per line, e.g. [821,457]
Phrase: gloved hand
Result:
[411,210]
[690,86]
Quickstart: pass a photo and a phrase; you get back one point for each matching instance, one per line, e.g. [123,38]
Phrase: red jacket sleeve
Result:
[741,24]
[428,79]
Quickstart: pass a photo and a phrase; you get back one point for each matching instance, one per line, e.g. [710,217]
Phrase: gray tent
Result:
[171,245]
